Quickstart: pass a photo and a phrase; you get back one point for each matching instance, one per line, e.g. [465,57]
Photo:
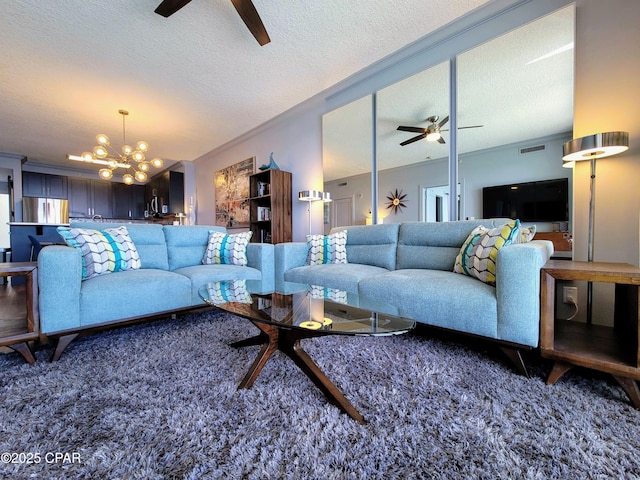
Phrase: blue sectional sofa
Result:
[411,266]
[168,281]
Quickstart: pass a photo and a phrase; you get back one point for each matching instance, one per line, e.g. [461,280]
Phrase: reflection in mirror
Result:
[347,152]
[520,87]
[435,204]
[411,156]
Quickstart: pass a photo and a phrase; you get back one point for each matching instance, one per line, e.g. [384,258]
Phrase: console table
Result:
[614,350]
[16,333]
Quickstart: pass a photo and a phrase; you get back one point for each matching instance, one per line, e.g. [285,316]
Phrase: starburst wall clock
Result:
[395,202]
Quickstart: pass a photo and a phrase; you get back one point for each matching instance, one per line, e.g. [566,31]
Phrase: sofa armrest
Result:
[289,255]
[59,282]
[260,256]
[518,290]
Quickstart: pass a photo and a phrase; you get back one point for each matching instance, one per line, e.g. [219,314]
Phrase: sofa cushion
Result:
[226,249]
[148,239]
[525,234]
[327,248]
[372,244]
[106,251]
[186,244]
[132,293]
[439,298]
[479,253]
[343,276]
[435,245]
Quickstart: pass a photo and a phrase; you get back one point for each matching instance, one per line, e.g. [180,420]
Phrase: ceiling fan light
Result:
[433,136]
[105,173]
[102,139]
[127,178]
[142,146]
[87,156]
[127,149]
[157,162]
[141,176]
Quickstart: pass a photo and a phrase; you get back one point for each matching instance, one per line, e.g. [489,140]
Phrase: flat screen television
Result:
[541,201]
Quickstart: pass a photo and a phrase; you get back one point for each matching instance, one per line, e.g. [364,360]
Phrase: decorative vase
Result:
[271,165]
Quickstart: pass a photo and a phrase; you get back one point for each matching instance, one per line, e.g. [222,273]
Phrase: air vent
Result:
[343,184]
[532,149]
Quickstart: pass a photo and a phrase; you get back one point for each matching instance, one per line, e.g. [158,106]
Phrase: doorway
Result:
[341,212]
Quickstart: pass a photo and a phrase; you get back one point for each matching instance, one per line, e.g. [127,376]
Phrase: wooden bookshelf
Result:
[270,206]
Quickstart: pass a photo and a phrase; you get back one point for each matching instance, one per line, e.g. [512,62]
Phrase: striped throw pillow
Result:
[106,251]
[227,249]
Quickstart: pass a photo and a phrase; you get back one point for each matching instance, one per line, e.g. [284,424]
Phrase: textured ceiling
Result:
[191,82]
[508,85]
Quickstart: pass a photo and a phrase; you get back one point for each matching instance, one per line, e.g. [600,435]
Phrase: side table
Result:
[612,350]
[17,336]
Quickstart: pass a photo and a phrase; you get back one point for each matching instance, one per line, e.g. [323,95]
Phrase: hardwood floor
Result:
[13,311]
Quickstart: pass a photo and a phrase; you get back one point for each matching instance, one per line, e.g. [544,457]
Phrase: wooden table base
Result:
[629,385]
[287,341]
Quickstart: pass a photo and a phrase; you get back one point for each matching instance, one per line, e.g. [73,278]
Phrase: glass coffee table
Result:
[286,313]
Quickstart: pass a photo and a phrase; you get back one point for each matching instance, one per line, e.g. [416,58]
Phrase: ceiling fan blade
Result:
[169,7]
[441,140]
[414,139]
[412,129]
[443,121]
[460,128]
[252,20]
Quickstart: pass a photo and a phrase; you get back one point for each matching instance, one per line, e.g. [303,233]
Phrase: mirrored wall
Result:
[514,98]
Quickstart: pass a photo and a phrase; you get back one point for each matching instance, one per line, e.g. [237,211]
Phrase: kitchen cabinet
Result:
[89,197]
[168,188]
[128,200]
[44,185]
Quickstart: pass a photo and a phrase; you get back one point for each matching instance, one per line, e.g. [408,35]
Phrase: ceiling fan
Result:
[245,9]
[431,132]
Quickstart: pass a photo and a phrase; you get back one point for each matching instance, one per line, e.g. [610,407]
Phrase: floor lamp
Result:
[310,196]
[592,147]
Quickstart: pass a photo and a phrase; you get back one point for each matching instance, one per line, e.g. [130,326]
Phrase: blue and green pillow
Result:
[106,251]
[227,249]
[323,249]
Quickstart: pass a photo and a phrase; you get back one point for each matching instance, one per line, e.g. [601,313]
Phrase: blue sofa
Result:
[168,281]
[411,266]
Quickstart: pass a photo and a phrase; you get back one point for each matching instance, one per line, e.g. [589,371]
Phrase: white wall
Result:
[607,98]
[296,143]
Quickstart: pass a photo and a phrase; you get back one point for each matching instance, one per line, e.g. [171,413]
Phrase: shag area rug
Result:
[159,401]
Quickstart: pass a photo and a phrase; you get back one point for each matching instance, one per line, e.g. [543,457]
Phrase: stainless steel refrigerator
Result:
[45,210]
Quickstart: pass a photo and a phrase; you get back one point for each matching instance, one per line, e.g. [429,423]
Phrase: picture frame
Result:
[232,194]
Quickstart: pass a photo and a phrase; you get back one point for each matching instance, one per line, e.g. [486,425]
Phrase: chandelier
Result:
[129,157]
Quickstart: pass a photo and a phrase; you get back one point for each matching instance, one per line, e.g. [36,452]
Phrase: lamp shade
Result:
[598,145]
[309,195]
